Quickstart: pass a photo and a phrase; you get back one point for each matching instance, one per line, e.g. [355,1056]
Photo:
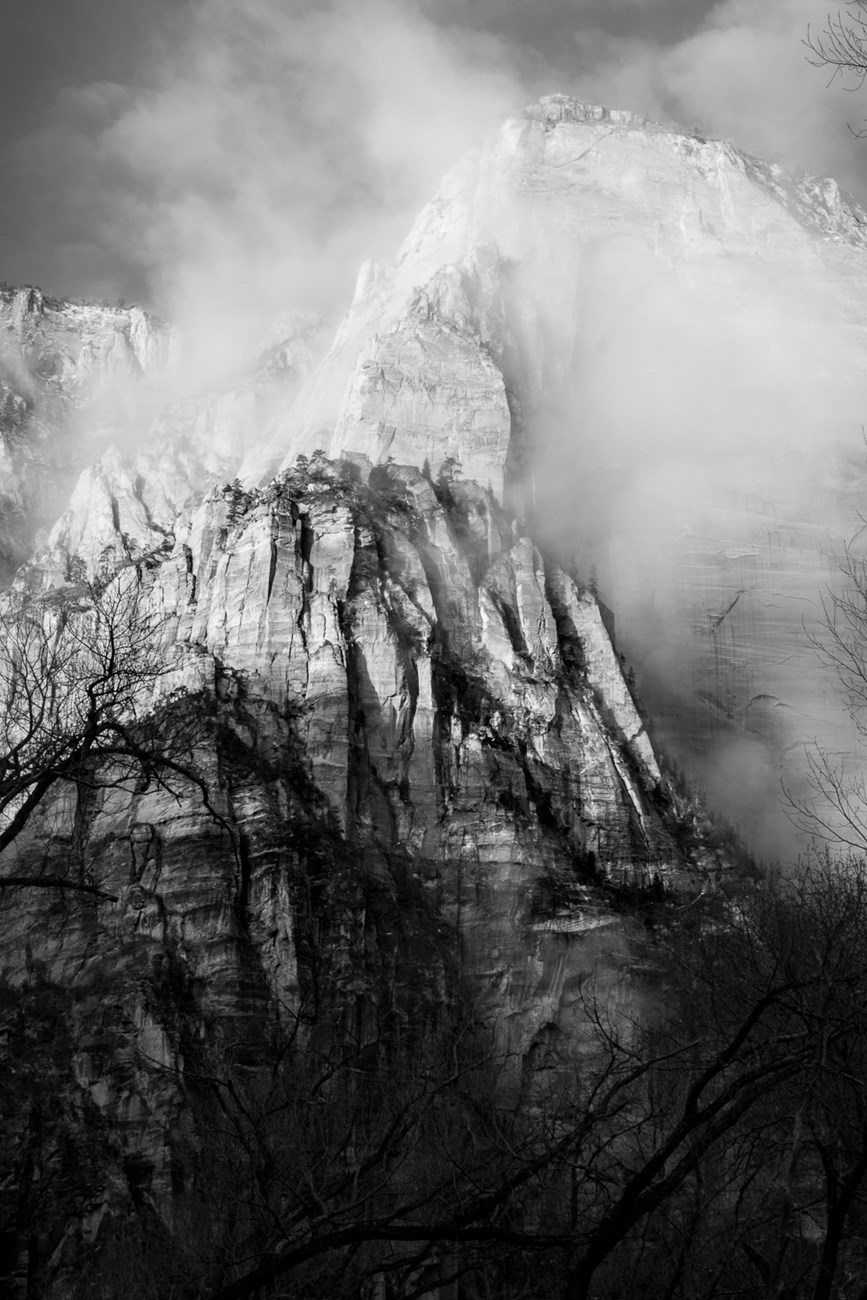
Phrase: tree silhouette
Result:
[842,46]
[79,668]
[714,1146]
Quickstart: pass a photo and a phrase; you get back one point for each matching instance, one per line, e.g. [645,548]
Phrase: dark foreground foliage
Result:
[707,1137]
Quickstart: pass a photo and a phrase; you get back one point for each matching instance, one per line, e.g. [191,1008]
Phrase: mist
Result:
[703,456]
[266,149]
[276,147]
[263,150]
[687,425]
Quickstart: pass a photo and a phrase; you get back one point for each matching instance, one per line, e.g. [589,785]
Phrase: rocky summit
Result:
[653,345]
[409,751]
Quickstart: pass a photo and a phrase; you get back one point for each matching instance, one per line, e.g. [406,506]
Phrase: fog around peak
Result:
[258,151]
[252,154]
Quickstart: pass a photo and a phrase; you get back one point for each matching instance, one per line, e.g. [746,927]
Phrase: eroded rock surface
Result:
[657,344]
[425,770]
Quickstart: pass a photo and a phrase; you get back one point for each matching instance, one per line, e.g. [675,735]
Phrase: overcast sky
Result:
[244,155]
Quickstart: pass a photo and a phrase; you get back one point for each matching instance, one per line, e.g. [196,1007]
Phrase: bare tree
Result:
[715,1147]
[78,672]
[835,809]
[842,45]
[778,1208]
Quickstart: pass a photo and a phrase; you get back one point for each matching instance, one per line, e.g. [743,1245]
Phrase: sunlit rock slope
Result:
[656,345]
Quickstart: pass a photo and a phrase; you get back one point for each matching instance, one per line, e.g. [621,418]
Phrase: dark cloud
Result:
[49,45]
[69,67]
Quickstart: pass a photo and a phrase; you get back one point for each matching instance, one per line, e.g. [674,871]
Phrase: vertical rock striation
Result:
[654,345]
[425,773]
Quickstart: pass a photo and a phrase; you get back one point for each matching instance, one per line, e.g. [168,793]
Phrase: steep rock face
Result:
[672,335]
[430,389]
[425,771]
[71,376]
[422,611]
[570,194]
[455,697]
[127,502]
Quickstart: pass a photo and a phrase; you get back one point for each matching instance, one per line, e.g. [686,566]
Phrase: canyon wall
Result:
[414,764]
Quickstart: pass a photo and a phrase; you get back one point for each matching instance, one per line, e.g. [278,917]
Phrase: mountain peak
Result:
[550,110]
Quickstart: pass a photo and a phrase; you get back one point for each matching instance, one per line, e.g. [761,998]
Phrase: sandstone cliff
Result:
[72,379]
[658,342]
[425,769]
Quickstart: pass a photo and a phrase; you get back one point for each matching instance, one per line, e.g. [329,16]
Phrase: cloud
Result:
[266,149]
[270,146]
[59,232]
[276,147]
[743,75]
[274,144]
